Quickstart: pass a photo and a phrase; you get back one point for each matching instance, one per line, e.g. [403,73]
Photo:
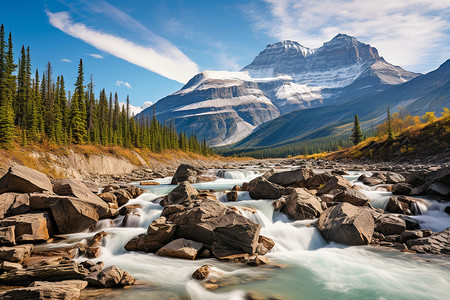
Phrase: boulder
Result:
[392,177]
[402,205]
[347,224]
[202,272]
[410,235]
[159,233]
[388,224]
[185,173]
[335,182]
[439,188]
[261,188]
[21,179]
[371,181]
[351,196]
[265,244]
[183,192]
[318,180]
[59,272]
[7,236]
[402,188]
[31,227]
[301,205]
[122,196]
[209,221]
[134,191]
[232,196]
[14,204]
[74,188]
[295,178]
[110,277]
[16,253]
[71,214]
[181,248]
[437,243]
[108,197]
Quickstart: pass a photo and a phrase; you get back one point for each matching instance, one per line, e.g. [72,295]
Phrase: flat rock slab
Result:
[16,253]
[24,180]
[23,277]
[180,248]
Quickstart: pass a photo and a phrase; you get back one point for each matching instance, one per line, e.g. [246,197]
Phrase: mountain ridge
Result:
[225,107]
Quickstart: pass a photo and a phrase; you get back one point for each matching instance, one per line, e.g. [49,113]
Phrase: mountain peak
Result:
[289,46]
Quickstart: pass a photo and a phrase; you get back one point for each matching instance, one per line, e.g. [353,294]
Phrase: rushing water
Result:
[313,268]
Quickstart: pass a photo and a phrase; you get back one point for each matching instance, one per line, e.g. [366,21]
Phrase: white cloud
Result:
[123,83]
[413,33]
[97,56]
[166,59]
[66,60]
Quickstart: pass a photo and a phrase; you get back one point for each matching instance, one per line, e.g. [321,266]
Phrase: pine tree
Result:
[78,109]
[390,132]
[7,88]
[357,136]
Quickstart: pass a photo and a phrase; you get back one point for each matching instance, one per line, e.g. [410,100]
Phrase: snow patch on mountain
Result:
[243,129]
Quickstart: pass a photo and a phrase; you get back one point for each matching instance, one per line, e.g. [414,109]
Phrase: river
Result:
[311,267]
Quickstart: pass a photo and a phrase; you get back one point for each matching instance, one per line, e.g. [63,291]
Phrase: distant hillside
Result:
[417,143]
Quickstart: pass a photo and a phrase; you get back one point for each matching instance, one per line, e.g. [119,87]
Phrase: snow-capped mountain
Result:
[134,110]
[224,107]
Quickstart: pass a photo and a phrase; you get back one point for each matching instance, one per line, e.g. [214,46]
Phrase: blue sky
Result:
[148,49]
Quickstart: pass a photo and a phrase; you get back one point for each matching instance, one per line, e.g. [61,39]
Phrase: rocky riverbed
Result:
[286,229]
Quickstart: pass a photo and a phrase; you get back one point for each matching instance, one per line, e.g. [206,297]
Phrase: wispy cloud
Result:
[97,56]
[123,83]
[411,33]
[164,58]
[66,60]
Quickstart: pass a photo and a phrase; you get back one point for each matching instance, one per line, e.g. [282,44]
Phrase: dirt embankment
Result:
[98,162]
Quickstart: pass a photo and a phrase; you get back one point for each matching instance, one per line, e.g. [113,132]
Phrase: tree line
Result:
[39,109]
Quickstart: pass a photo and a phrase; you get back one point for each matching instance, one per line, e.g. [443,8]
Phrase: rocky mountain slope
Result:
[224,107]
[430,92]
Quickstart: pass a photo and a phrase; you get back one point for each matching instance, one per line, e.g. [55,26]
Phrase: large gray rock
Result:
[31,227]
[181,248]
[74,188]
[301,205]
[159,233]
[71,214]
[110,277]
[185,172]
[14,204]
[21,179]
[388,224]
[347,224]
[318,180]
[261,188]
[439,188]
[437,243]
[335,182]
[209,221]
[351,196]
[402,205]
[402,188]
[392,177]
[295,178]
[183,192]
